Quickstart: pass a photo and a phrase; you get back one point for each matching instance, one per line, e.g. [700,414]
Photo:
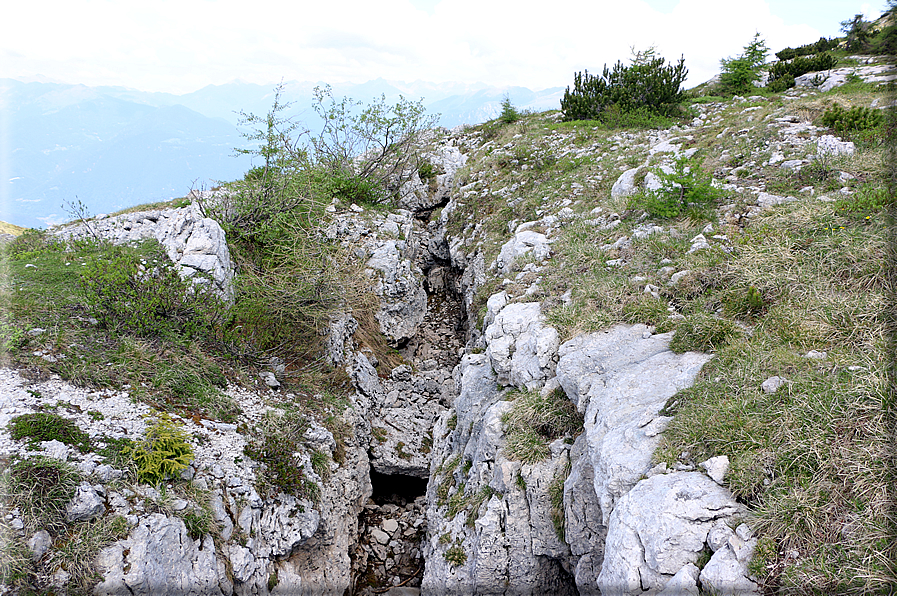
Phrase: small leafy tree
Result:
[739,73]
[362,153]
[373,148]
[646,84]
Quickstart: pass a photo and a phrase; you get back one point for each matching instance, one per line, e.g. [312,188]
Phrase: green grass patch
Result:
[534,421]
[45,426]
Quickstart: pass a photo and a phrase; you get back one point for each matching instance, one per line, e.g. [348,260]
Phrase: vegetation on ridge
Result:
[774,289]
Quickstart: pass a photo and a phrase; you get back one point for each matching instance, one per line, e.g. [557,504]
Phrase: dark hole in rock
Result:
[397,489]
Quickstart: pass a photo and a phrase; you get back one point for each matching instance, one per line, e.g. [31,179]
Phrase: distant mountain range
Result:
[112,147]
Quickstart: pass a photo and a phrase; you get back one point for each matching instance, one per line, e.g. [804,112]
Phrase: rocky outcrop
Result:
[420,194]
[196,244]
[657,531]
[305,545]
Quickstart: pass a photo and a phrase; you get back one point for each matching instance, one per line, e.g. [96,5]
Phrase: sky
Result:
[180,46]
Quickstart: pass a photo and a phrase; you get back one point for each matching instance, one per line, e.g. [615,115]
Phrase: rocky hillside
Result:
[569,360]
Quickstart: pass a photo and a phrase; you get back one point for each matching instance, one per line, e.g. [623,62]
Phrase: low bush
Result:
[855,119]
[647,84]
[163,453]
[125,292]
[823,45]
[684,190]
[783,83]
[801,65]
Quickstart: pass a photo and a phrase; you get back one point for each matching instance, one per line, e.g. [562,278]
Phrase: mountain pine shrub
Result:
[649,84]
[823,45]
[686,189]
[801,65]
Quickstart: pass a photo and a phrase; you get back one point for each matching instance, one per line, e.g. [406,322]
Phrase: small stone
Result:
[380,536]
[816,355]
[270,379]
[86,504]
[390,525]
[716,467]
[772,384]
[39,544]
[674,279]
[718,536]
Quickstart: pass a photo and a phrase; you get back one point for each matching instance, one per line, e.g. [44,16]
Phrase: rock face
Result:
[658,529]
[160,558]
[193,242]
[418,194]
[521,347]
[621,379]
[399,284]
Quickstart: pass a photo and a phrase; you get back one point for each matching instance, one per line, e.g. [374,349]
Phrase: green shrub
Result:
[781,84]
[45,426]
[163,453]
[823,45]
[867,201]
[509,114]
[801,65]
[857,118]
[32,241]
[614,117]
[687,189]
[648,83]
[127,293]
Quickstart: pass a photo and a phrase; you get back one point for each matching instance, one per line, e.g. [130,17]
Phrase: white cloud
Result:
[181,45]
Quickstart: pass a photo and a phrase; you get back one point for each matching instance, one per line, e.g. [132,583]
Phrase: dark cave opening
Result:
[397,489]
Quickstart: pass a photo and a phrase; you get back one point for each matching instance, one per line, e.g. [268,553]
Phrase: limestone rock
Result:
[521,347]
[159,557]
[196,244]
[772,384]
[621,378]
[85,505]
[726,574]
[625,184]
[831,145]
[521,244]
[659,527]
[420,195]
[39,544]
[398,282]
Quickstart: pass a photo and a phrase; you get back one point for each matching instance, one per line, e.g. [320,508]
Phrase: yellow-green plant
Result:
[163,453]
